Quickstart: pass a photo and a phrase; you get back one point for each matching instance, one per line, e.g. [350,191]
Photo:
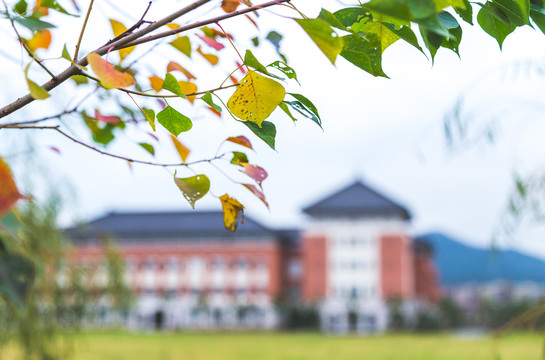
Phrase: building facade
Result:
[352,257]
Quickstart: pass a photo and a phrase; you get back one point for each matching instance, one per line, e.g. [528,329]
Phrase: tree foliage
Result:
[118,90]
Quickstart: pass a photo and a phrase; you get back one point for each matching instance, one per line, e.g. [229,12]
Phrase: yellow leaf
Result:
[118,29]
[182,150]
[173,26]
[110,77]
[156,83]
[188,88]
[36,91]
[182,44]
[41,39]
[256,98]
[211,58]
[441,4]
[9,194]
[232,209]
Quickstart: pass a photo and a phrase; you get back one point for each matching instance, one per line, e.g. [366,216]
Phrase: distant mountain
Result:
[459,263]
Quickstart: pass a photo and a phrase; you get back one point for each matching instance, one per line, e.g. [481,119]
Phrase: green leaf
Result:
[150,116]
[365,54]
[174,121]
[21,7]
[171,84]
[323,36]
[267,131]
[207,98]
[376,26]
[492,23]
[193,188]
[304,107]
[405,33]
[182,44]
[148,147]
[517,11]
[53,4]
[239,158]
[36,91]
[285,69]
[465,13]
[285,108]
[255,41]
[251,61]
[16,276]
[538,17]
[331,19]
[275,38]
[32,23]
[66,54]
[411,10]
[351,15]
[451,24]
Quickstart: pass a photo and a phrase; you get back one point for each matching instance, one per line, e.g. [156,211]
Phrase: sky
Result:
[388,133]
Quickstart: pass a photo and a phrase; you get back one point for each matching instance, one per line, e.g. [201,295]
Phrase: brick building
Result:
[348,260]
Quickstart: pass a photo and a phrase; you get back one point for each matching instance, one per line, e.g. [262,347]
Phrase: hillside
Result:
[459,263]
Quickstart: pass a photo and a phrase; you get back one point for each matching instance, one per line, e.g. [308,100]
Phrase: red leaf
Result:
[55,149]
[256,192]
[211,42]
[106,118]
[240,140]
[255,172]
[240,67]
[153,136]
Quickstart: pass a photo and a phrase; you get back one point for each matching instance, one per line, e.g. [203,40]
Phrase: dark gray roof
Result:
[357,200]
[165,225]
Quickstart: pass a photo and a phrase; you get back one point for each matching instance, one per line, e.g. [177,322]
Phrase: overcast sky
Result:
[387,132]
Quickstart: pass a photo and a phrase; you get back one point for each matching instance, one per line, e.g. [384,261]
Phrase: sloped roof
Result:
[357,200]
[164,225]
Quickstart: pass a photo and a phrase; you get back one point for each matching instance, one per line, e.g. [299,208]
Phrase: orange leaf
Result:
[110,77]
[240,140]
[233,79]
[188,88]
[173,26]
[173,66]
[40,40]
[212,59]
[9,194]
[156,83]
[252,21]
[232,209]
[214,111]
[230,5]
[182,150]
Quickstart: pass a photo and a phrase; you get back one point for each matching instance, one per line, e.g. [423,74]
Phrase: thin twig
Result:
[175,96]
[105,153]
[76,53]
[132,28]
[74,69]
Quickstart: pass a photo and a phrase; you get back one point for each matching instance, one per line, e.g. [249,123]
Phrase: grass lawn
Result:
[113,345]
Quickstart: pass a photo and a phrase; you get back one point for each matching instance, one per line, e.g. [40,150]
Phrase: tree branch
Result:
[200,24]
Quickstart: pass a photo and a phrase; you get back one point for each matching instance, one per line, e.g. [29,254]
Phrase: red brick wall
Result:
[396,266]
[251,251]
[314,267]
[426,278]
